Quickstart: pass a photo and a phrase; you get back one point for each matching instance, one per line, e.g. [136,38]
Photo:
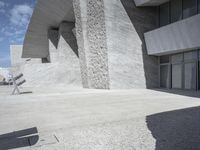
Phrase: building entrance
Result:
[180,71]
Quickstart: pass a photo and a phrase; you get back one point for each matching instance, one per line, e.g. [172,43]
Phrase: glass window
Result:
[199,70]
[190,56]
[164,59]
[199,6]
[164,76]
[178,58]
[176,10]
[164,14]
[177,76]
[190,76]
[189,8]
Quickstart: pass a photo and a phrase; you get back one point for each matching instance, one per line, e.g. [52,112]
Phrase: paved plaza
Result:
[99,120]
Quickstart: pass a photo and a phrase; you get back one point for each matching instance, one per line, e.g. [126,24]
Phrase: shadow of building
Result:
[176,130]
[144,19]
[19,139]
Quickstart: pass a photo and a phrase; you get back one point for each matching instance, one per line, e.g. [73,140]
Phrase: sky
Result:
[14,18]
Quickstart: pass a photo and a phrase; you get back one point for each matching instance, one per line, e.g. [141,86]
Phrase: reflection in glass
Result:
[176,10]
[164,76]
[164,14]
[189,8]
[178,58]
[190,56]
[177,76]
[164,59]
[190,76]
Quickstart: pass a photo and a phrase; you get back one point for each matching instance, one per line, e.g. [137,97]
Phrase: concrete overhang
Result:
[47,14]
[149,2]
[177,37]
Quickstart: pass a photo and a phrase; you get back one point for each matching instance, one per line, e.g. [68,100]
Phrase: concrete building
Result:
[115,44]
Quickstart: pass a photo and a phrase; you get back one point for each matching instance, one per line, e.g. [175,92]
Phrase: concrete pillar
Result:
[91,37]
[111,44]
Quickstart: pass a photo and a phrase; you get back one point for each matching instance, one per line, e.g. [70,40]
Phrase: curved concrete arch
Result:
[47,14]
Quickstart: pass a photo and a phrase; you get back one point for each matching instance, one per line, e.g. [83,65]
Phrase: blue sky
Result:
[14,19]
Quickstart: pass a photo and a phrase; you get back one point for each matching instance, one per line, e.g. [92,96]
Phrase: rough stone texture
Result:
[80,16]
[129,64]
[97,52]
[91,36]
[111,41]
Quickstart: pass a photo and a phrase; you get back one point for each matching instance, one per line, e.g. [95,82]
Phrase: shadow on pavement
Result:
[176,130]
[19,139]
[180,92]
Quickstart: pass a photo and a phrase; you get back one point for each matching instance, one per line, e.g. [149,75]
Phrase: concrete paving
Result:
[70,119]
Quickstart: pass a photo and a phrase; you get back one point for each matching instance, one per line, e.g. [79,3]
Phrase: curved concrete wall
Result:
[177,37]
[64,69]
[47,14]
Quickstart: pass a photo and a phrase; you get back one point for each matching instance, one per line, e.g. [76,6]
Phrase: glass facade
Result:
[164,76]
[177,76]
[199,6]
[189,8]
[190,76]
[182,71]
[164,14]
[175,10]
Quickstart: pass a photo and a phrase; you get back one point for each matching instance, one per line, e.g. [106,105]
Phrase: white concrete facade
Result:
[107,44]
[180,36]
[110,49]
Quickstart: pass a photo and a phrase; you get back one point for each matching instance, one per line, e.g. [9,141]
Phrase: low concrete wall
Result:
[64,68]
[16,56]
[129,64]
[177,37]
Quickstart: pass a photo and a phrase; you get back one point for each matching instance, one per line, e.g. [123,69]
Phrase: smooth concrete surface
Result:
[99,120]
[149,2]
[128,62]
[47,14]
[177,37]
[64,70]
[16,56]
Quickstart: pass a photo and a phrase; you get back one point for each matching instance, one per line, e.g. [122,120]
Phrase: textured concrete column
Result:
[91,37]
[112,50]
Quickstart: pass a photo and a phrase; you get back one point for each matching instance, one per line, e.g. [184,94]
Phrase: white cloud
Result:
[20,15]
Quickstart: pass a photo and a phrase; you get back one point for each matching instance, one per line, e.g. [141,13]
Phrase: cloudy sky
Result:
[14,19]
